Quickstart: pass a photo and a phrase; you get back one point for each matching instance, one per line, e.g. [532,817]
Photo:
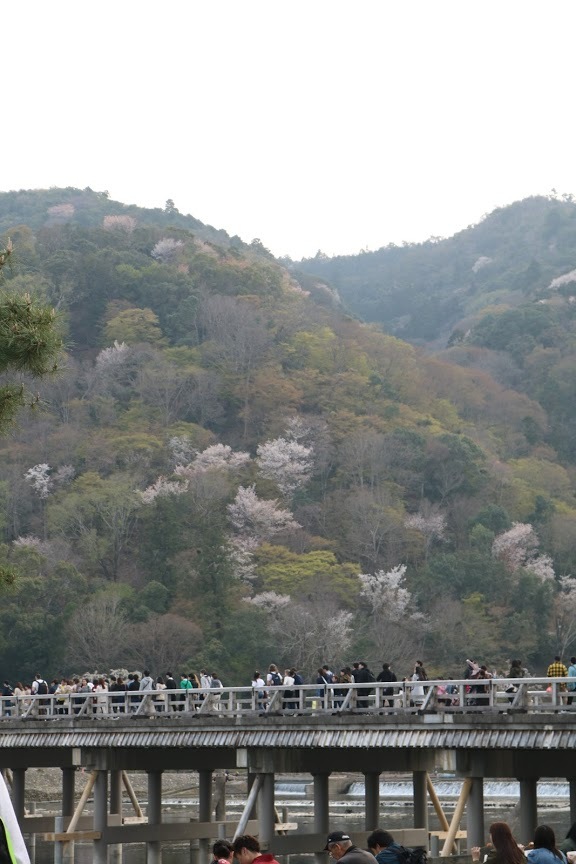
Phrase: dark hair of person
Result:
[379,838]
[246,841]
[544,838]
[505,844]
[571,835]
[222,849]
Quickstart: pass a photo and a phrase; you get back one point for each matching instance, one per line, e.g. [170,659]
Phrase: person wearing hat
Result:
[340,846]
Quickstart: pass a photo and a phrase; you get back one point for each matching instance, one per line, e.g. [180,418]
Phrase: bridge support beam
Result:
[266,811]
[204,809]
[475,813]
[371,800]
[321,809]
[528,809]
[19,792]
[116,810]
[419,785]
[153,847]
[572,788]
[100,849]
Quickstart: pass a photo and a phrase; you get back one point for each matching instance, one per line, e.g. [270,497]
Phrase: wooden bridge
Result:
[527,738]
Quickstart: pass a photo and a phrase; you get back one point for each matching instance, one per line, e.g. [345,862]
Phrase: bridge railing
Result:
[534,695]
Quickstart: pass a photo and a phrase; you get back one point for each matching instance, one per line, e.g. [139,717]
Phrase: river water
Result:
[347,810]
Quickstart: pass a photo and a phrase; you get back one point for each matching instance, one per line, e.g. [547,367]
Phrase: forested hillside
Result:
[229,470]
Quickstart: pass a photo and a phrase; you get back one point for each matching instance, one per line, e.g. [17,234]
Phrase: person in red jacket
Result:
[247,851]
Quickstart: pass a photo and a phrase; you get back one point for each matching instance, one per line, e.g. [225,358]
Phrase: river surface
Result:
[500,803]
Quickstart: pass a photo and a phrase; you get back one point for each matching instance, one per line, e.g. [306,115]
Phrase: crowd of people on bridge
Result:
[125,692]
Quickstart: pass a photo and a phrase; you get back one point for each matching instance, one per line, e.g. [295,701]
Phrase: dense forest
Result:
[230,468]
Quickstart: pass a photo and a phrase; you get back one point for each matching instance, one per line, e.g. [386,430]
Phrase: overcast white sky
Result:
[311,124]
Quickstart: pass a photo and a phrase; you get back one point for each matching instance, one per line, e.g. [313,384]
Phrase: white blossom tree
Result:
[241,556]
[112,357]
[396,625]
[39,478]
[166,249]
[517,548]
[313,633]
[43,479]
[431,525]
[565,615]
[215,457]
[258,518]
[182,450]
[161,488]
[288,463]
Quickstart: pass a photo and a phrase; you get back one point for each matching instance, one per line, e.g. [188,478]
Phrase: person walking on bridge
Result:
[557,669]
[341,848]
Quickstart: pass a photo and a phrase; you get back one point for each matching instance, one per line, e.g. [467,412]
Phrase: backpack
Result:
[42,688]
[276,679]
[411,856]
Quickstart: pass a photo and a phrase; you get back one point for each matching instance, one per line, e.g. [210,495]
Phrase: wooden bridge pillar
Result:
[204,810]
[475,813]
[419,785]
[371,800]
[68,784]
[153,847]
[528,809]
[572,792]
[116,810]
[321,809]
[19,792]
[100,849]
[266,812]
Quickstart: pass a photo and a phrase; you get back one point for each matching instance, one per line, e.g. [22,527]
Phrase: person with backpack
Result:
[387,851]
[363,675]
[273,678]
[298,694]
[39,688]
[388,676]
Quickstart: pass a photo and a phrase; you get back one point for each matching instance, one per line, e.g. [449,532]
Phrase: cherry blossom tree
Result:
[43,479]
[241,556]
[161,488]
[565,614]
[39,478]
[432,525]
[312,632]
[288,463]
[112,357]
[166,250]
[517,548]
[258,518]
[215,457]
[396,626]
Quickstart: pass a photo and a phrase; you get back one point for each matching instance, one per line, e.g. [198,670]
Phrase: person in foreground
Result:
[340,847]
[545,850]
[384,847]
[569,842]
[222,852]
[505,848]
[247,850]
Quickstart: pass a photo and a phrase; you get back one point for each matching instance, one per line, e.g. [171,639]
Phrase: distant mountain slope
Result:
[230,469]
[421,291]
